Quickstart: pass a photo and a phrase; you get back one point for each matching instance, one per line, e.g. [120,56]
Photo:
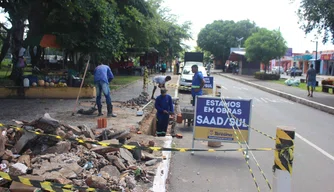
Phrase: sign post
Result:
[213,122]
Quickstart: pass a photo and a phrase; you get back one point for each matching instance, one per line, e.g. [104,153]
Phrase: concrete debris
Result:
[139,101]
[47,158]
[18,169]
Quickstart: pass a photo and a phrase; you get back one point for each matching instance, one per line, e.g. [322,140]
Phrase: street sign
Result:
[212,121]
[208,86]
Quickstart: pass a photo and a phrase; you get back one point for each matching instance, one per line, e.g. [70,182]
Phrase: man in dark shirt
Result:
[164,106]
[311,77]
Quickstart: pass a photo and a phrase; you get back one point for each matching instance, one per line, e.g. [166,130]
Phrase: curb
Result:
[296,99]
[161,175]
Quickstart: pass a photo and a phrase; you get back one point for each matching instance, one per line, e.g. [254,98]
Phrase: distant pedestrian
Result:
[177,67]
[163,68]
[293,71]
[311,80]
[160,81]
[164,106]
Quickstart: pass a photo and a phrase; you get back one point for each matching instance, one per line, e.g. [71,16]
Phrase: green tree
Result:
[219,36]
[319,16]
[264,46]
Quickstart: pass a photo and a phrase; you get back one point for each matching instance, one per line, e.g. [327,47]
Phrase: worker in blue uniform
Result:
[164,106]
[197,83]
[102,77]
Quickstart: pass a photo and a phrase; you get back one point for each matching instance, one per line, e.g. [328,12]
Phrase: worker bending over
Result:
[160,81]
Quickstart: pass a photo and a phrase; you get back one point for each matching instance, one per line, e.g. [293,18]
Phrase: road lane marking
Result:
[224,87]
[273,101]
[264,100]
[239,97]
[316,147]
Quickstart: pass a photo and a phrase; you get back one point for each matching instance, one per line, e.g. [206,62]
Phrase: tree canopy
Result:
[219,36]
[317,15]
[265,45]
[102,28]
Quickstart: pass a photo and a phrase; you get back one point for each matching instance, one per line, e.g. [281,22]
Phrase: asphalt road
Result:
[216,172]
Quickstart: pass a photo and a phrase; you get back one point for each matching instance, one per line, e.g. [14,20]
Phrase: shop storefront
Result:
[327,64]
[302,61]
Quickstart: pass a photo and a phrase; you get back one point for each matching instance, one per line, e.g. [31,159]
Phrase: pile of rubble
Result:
[141,100]
[45,158]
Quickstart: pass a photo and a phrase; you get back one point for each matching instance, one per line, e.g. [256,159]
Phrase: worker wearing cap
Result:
[197,83]
[160,81]
[164,106]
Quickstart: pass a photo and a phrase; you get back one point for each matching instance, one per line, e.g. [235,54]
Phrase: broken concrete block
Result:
[8,155]
[25,159]
[59,148]
[87,131]
[147,156]
[111,170]
[96,182]
[19,187]
[18,169]
[67,173]
[151,162]
[127,156]
[103,150]
[117,162]
[23,141]
[130,182]
[3,141]
[74,130]
[136,152]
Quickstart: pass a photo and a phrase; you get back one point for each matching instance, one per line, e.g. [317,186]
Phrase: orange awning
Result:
[49,41]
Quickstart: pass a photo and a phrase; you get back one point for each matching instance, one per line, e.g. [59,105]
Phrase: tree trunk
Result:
[35,58]
[16,44]
[5,47]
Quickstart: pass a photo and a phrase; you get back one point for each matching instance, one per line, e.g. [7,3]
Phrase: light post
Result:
[316,53]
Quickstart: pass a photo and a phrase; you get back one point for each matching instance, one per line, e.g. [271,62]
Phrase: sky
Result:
[270,14]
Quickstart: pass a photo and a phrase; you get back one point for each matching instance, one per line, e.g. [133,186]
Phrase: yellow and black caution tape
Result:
[257,163]
[284,150]
[133,147]
[49,186]
[244,154]
[261,132]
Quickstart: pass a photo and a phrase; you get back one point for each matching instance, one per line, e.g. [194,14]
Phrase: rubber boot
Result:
[99,109]
[110,113]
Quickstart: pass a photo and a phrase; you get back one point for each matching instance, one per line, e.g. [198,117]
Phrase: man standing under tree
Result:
[160,80]
[164,106]
[197,83]
[311,80]
[102,77]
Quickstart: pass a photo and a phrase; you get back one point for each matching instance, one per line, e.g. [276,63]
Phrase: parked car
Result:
[298,72]
[187,77]
[278,70]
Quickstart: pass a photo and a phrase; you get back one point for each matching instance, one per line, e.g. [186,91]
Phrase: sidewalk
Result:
[321,101]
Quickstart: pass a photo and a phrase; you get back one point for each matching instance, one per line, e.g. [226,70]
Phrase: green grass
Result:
[117,82]
[301,85]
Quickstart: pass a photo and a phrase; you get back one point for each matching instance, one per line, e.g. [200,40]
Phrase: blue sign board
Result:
[208,82]
[288,52]
[212,120]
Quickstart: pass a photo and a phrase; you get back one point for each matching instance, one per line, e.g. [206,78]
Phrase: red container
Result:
[102,123]
[179,118]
